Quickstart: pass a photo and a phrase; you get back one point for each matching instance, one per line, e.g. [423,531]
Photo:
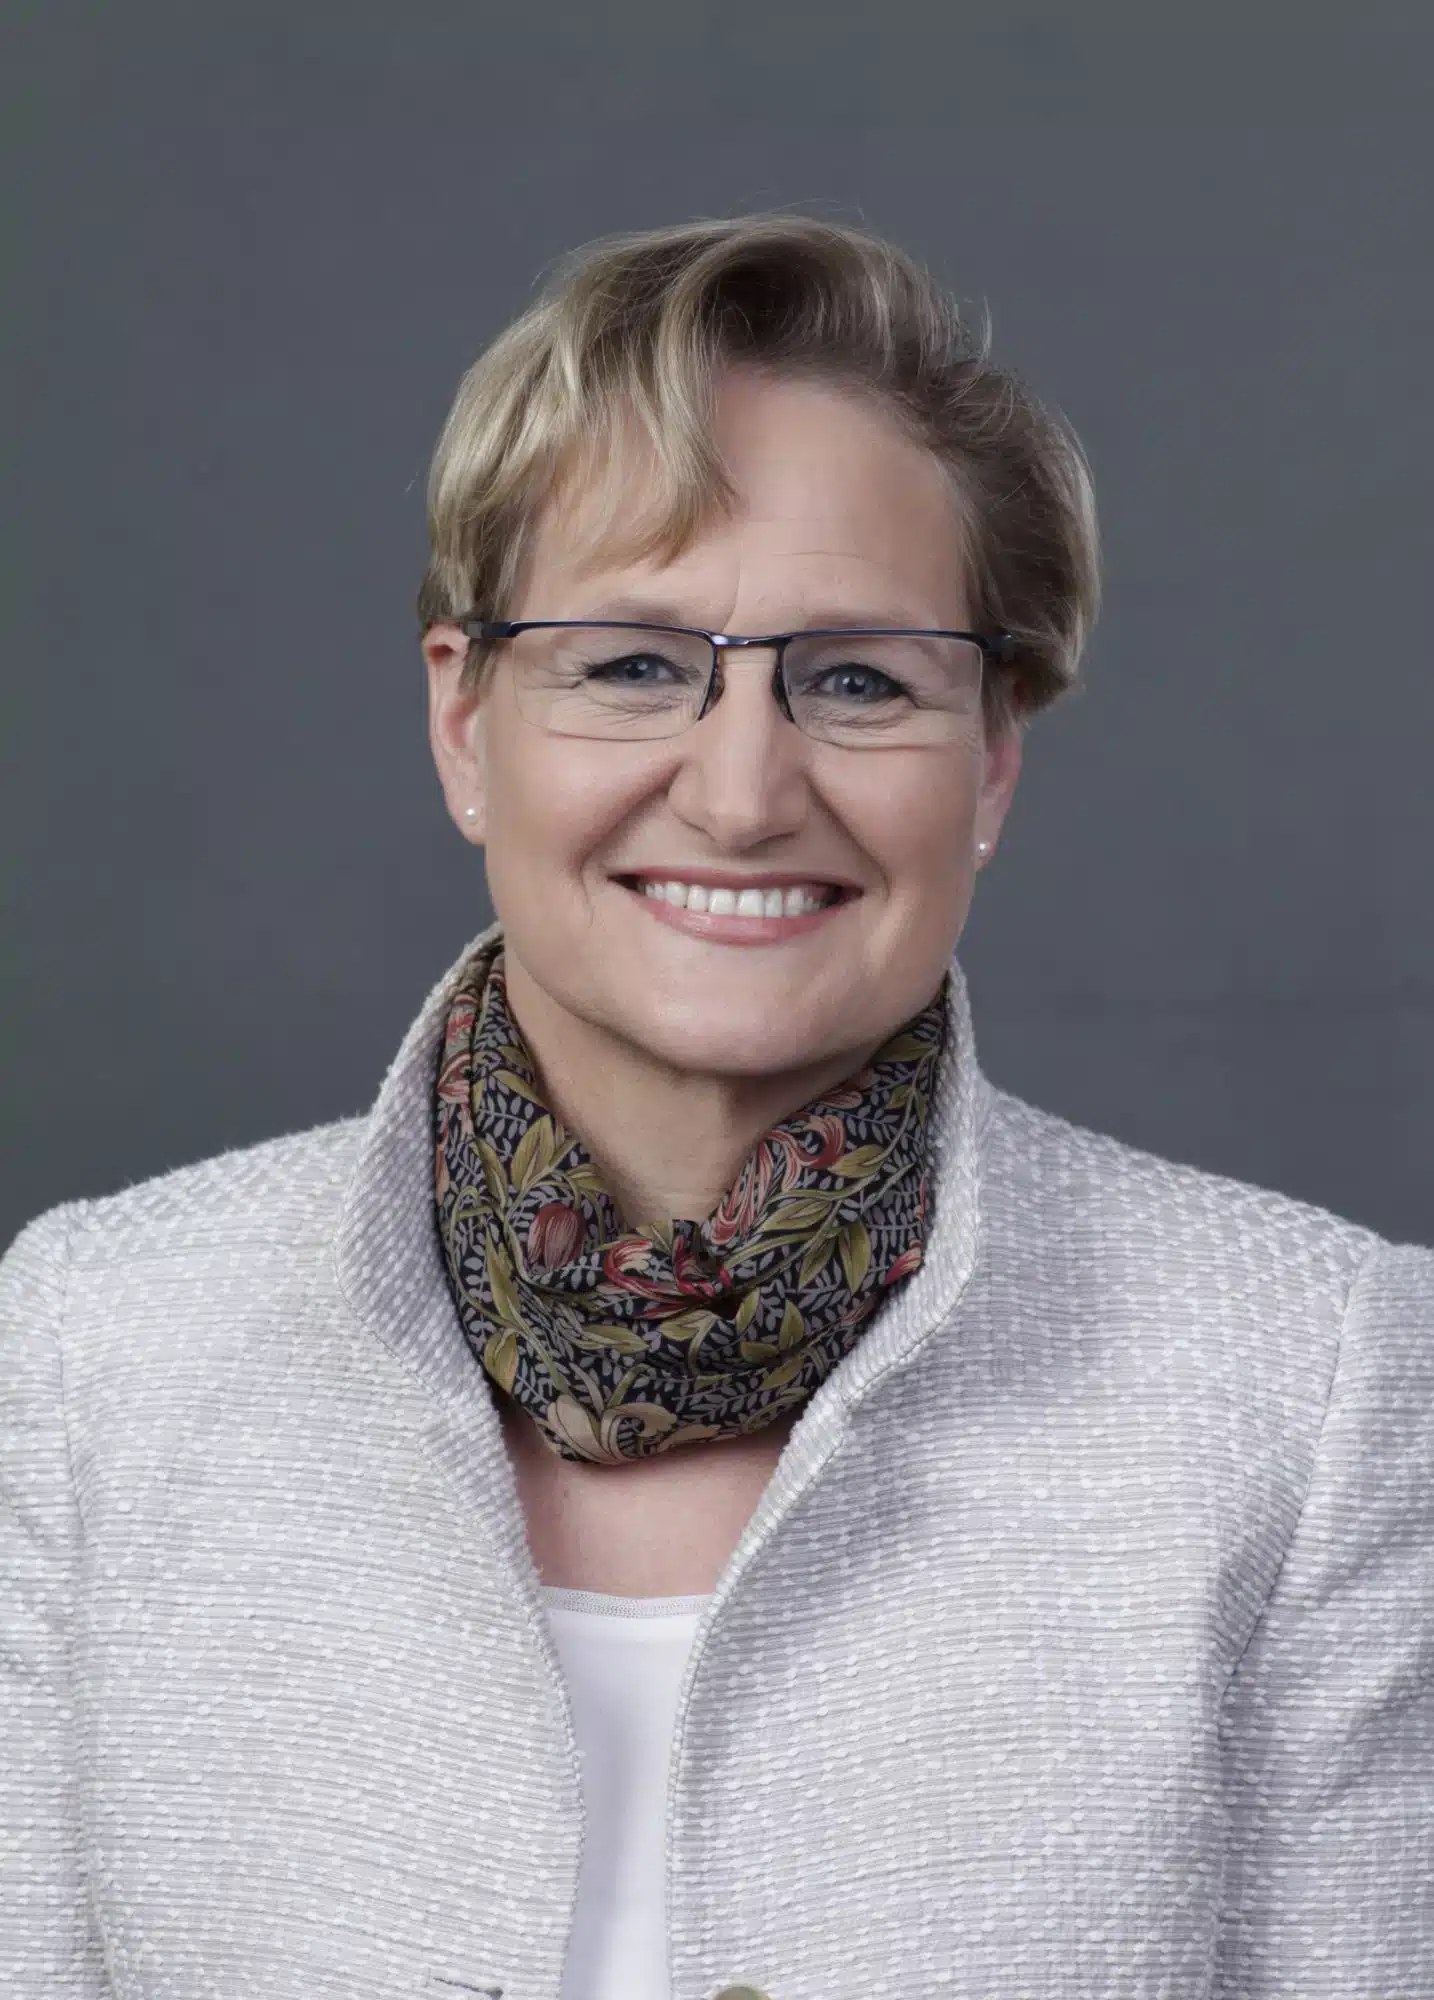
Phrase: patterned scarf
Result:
[622,1343]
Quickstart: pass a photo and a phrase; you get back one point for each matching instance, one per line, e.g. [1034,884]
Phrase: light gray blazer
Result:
[1081,1647]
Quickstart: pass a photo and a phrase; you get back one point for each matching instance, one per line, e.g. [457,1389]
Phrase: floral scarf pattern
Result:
[622,1343]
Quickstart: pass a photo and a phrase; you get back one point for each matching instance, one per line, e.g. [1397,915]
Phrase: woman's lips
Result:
[737,930]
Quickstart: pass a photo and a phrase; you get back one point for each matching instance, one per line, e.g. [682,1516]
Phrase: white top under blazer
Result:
[622,1660]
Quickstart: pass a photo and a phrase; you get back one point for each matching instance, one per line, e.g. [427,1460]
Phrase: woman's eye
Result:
[853,679]
[630,665]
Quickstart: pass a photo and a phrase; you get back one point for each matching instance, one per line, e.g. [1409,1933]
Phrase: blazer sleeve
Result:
[48,1950]
[1327,1727]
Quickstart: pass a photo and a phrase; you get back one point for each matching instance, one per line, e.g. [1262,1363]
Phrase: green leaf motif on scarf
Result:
[804,1212]
[786,1371]
[690,1326]
[864,1160]
[611,1338]
[500,1358]
[793,1330]
[818,1256]
[747,1311]
[903,1048]
[854,1249]
[501,1285]
[492,1171]
[534,1153]
[511,1082]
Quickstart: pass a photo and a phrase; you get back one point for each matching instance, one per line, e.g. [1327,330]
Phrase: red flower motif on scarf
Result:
[692,1269]
[453,1074]
[832,1134]
[622,1261]
[742,1204]
[555,1236]
[906,1263]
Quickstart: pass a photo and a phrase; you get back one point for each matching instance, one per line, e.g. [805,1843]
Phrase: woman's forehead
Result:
[834,514]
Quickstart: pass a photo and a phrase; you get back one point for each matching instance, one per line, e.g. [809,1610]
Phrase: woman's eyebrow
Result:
[641,611]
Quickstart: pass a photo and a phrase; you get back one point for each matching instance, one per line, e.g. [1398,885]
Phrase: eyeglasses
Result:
[885,688]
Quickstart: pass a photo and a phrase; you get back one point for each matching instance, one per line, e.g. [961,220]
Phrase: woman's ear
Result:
[1002,768]
[457,733]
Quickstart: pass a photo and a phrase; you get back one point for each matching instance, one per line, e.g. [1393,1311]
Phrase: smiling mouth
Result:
[769,900]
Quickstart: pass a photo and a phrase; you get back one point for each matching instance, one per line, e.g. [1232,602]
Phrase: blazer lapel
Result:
[389,1264]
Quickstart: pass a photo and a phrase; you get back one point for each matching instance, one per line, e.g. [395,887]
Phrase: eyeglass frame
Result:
[998,648]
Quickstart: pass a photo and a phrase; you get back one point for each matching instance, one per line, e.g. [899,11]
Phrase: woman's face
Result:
[840,520]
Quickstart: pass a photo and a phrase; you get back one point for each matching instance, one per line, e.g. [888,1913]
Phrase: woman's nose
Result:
[742,766]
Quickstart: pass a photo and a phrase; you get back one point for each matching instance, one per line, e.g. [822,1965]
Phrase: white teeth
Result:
[794,902]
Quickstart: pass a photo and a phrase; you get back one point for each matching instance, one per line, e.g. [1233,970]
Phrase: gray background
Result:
[253,248]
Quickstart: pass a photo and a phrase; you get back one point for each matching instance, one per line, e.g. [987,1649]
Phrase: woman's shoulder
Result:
[273,1195]
[1044,1174]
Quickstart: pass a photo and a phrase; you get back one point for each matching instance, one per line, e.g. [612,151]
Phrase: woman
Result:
[698,1491]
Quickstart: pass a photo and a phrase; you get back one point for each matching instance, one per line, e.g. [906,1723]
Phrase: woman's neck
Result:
[668,1143]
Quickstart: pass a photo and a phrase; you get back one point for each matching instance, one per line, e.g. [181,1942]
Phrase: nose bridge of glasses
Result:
[769,642]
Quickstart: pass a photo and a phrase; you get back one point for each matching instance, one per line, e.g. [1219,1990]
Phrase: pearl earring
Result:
[470,812]
[983,847]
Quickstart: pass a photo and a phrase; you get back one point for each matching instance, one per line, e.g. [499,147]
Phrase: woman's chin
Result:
[744,1043]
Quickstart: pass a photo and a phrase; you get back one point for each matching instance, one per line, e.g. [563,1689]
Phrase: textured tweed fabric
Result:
[1081,1647]
[621,1343]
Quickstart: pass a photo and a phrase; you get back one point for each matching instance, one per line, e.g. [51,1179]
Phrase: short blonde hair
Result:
[639,327]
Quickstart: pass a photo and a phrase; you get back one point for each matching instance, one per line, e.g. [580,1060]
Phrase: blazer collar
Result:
[389,1260]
